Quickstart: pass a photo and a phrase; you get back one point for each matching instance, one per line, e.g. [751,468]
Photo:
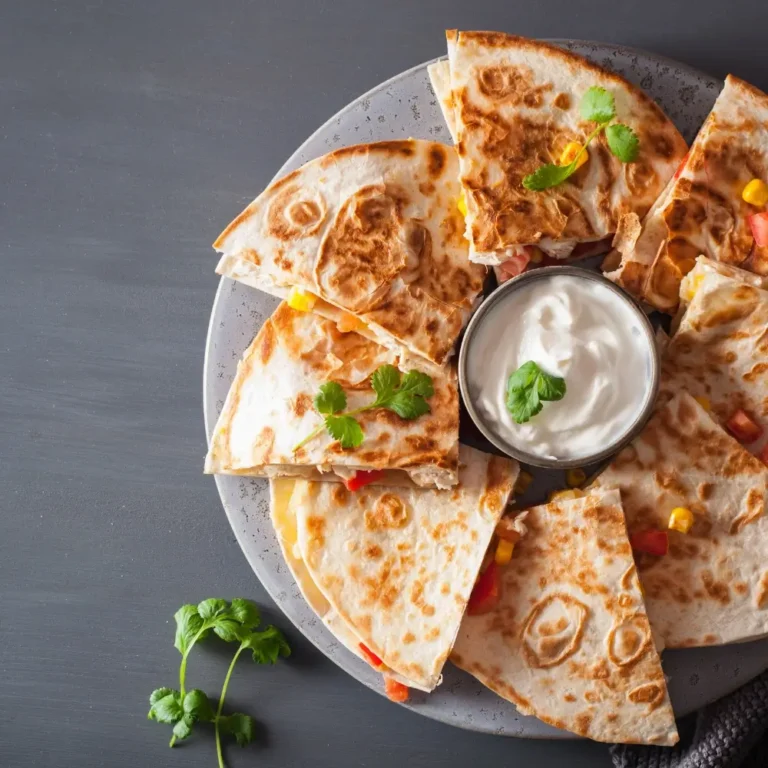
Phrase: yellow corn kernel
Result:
[524,479]
[704,402]
[681,519]
[504,551]
[301,301]
[535,254]
[572,149]
[348,323]
[575,477]
[462,204]
[574,493]
[755,193]
[693,285]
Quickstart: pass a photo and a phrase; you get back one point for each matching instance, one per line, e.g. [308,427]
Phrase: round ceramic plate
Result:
[405,106]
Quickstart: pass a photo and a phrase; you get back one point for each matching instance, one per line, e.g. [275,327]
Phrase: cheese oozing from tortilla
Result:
[576,329]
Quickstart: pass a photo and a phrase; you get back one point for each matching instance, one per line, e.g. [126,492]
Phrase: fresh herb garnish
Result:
[232,622]
[598,106]
[529,388]
[405,395]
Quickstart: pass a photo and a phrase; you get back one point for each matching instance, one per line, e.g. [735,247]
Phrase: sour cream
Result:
[575,328]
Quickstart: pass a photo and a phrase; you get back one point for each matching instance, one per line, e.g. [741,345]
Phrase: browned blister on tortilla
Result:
[710,588]
[570,641]
[373,230]
[702,211]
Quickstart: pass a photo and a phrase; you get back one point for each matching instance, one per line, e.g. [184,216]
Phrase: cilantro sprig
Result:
[406,395]
[234,622]
[598,106]
[528,388]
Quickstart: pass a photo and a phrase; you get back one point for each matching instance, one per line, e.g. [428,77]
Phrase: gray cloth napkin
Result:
[731,733]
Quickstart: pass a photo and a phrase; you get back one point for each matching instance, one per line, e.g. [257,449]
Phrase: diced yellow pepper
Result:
[693,285]
[504,551]
[681,519]
[574,493]
[568,155]
[524,479]
[704,402]
[301,301]
[348,323]
[755,193]
[575,477]
[462,204]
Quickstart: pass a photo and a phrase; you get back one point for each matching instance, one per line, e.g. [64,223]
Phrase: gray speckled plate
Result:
[406,106]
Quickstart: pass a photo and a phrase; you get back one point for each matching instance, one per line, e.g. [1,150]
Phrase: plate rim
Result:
[210,417]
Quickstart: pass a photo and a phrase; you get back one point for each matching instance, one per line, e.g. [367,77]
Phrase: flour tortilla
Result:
[515,107]
[440,77]
[269,409]
[720,349]
[702,211]
[374,231]
[570,641]
[398,565]
[712,586]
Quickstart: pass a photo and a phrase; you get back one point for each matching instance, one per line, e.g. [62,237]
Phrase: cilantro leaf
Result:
[346,430]
[160,693]
[550,387]
[167,709]
[597,105]
[385,380]
[228,629]
[238,725]
[183,727]
[623,142]
[246,612]
[528,388]
[188,624]
[548,175]
[408,406]
[418,383]
[331,398]
[268,646]
[211,608]
[197,706]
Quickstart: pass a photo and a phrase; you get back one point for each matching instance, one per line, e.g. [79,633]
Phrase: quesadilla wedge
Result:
[711,586]
[397,565]
[720,350]
[372,231]
[516,107]
[569,641]
[703,210]
[270,409]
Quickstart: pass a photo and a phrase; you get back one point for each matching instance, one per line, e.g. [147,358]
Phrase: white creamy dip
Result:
[579,330]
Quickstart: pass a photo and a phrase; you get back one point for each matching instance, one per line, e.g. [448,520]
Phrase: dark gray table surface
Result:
[130,133]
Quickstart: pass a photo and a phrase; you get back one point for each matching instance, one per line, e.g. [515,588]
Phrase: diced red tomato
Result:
[651,542]
[371,657]
[487,591]
[680,167]
[763,455]
[741,426]
[515,265]
[362,478]
[758,223]
[395,691]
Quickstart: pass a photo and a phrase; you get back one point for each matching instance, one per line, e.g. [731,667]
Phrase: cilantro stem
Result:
[183,669]
[221,704]
[315,432]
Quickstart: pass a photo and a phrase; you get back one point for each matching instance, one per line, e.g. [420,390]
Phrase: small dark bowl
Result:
[518,452]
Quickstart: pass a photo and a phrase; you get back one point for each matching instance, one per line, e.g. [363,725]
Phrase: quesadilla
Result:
[397,565]
[720,350]
[270,409]
[372,231]
[515,107]
[711,586]
[569,640]
[703,210]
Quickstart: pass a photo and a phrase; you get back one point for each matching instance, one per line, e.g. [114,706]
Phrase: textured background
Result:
[129,134]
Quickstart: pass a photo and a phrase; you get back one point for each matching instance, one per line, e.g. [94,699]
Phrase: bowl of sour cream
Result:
[559,368]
